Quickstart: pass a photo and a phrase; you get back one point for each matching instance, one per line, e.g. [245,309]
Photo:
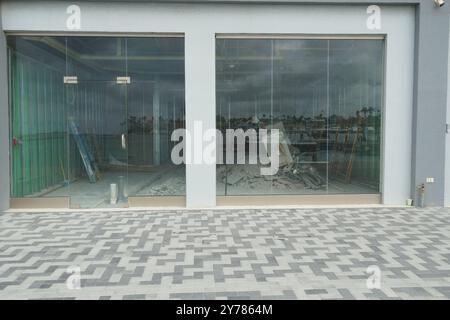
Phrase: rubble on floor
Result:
[293,171]
[170,183]
[291,176]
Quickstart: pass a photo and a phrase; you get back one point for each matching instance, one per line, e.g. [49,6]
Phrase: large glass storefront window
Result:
[325,97]
[92,117]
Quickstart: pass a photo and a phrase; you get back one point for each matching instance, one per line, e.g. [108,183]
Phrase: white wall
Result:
[199,23]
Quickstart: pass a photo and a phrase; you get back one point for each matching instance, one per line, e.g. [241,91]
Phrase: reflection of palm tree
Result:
[137,125]
[364,111]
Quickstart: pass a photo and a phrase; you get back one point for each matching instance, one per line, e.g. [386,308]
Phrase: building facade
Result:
[94,97]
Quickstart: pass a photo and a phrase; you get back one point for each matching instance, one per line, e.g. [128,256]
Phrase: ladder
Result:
[88,159]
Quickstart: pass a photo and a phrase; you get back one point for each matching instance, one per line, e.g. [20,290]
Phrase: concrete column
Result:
[200,110]
[4,123]
[156,124]
[430,101]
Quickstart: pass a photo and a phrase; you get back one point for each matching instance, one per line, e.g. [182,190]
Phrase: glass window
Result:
[96,140]
[323,97]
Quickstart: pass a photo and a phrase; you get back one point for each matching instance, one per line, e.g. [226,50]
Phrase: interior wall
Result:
[193,20]
[4,131]
[36,113]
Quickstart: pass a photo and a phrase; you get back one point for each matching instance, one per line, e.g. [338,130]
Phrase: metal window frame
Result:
[296,36]
[64,202]
[97,34]
[370,198]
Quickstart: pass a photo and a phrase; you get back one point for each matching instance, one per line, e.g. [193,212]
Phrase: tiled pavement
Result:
[227,254]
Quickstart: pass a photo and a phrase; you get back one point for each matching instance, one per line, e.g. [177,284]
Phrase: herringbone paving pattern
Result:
[226,254]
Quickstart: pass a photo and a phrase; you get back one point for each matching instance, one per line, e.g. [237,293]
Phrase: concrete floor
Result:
[227,254]
[170,181]
[83,194]
[253,183]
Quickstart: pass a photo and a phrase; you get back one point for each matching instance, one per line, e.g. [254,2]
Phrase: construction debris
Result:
[285,155]
[293,172]
[306,173]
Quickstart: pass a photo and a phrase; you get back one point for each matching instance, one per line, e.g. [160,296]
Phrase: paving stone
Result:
[316,291]
[226,254]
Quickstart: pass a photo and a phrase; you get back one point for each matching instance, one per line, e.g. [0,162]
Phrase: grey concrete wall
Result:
[430,101]
[4,132]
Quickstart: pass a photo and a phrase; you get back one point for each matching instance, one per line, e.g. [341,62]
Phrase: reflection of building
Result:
[84,110]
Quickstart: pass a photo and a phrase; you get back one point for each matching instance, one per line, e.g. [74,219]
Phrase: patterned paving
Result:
[226,254]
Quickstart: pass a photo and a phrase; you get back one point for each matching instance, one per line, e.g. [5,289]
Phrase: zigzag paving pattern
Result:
[226,254]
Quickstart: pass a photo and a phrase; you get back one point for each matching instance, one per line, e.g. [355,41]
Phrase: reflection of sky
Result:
[97,61]
[291,77]
[306,77]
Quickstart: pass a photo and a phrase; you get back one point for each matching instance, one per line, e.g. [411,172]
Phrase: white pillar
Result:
[200,106]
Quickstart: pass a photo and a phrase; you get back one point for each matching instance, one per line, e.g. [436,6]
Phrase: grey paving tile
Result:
[214,254]
[316,291]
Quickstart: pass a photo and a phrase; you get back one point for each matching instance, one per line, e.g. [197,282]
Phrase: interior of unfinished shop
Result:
[325,98]
[88,113]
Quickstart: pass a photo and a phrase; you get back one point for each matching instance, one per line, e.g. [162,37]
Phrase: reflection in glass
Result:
[324,97]
[79,139]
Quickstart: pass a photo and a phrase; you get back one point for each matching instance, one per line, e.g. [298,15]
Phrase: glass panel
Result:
[323,96]
[156,109]
[95,138]
[149,58]
[356,90]
[96,122]
[96,58]
[37,117]
[98,150]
